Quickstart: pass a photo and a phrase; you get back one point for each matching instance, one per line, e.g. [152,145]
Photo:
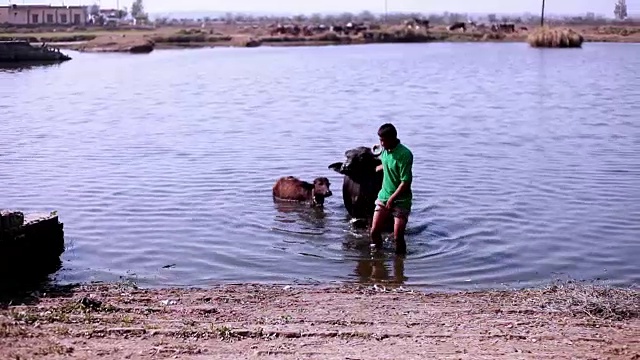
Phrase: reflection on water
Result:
[378,269]
[525,161]
[300,218]
[21,279]
[26,66]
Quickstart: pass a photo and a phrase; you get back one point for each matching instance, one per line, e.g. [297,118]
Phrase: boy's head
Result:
[388,136]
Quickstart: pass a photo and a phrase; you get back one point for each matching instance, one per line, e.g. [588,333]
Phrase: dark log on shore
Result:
[30,246]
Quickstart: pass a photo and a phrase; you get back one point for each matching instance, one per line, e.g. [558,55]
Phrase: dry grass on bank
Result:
[555,38]
[580,300]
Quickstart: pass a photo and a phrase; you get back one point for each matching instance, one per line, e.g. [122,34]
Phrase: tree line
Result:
[445,18]
[138,12]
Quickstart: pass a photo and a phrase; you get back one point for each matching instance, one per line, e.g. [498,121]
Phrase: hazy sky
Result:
[604,7]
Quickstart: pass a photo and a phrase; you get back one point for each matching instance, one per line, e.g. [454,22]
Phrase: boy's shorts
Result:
[397,211]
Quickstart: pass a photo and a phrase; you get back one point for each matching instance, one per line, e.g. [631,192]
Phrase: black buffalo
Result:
[361,182]
[458,25]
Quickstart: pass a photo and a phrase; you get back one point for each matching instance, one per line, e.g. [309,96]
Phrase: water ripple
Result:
[526,161]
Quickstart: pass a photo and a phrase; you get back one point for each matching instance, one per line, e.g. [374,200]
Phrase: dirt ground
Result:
[320,322]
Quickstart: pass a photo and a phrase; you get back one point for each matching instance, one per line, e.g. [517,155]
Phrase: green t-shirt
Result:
[396,165]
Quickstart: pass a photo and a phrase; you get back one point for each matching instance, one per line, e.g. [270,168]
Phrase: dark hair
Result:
[387,131]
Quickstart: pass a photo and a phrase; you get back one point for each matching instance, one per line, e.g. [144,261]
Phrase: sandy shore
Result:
[349,322]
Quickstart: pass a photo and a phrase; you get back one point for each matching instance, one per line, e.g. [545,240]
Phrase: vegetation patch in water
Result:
[546,37]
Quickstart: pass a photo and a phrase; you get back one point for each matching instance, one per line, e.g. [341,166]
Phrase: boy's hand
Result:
[389,203]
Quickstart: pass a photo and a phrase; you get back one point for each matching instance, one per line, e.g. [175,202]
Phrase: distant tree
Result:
[455,17]
[94,9]
[329,19]
[345,17]
[137,9]
[316,18]
[620,10]
[492,18]
[122,13]
[366,16]
[436,19]
[300,18]
[228,18]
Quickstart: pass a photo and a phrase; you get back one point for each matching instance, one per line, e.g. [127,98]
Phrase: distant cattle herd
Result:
[501,27]
[355,28]
[350,28]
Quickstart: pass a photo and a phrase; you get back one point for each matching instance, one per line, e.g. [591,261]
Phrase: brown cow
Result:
[293,189]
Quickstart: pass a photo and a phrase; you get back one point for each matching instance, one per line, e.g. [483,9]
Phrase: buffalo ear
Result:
[336,166]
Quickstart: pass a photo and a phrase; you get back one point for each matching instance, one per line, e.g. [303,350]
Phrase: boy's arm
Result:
[406,176]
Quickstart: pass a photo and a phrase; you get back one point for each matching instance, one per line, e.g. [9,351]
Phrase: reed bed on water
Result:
[546,37]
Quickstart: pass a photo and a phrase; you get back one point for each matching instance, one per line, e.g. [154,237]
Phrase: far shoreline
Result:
[174,38]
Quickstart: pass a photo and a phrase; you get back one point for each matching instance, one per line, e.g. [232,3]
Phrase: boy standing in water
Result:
[395,196]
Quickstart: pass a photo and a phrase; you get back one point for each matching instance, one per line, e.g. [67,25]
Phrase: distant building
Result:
[42,15]
[109,12]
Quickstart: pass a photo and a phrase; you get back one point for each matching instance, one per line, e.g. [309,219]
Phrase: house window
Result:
[63,18]
[34,18]
[50,18]
[76,18]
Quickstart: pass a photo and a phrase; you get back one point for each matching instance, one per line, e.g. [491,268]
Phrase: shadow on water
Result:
[23,284]
[24,66]
[297,218]
[30,254]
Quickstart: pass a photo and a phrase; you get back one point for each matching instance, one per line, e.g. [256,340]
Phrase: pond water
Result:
[527,162]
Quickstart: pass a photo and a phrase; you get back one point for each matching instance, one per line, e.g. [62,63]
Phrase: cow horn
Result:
[376,150]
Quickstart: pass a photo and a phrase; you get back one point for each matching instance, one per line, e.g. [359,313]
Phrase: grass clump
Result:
[580,300]
[546,37]
[594,301]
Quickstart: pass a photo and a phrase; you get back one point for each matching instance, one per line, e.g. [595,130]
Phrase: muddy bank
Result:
[115,43]
[276,322]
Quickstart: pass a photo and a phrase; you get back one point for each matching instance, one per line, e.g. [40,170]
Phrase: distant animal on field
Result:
[290,188]
[458,25]
[504,27]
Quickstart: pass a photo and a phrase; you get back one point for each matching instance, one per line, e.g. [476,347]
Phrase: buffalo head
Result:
[359,163]
[361,181]
[321,190]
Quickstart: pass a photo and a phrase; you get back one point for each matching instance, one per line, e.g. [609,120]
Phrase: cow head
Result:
[321,190]
[360,162]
